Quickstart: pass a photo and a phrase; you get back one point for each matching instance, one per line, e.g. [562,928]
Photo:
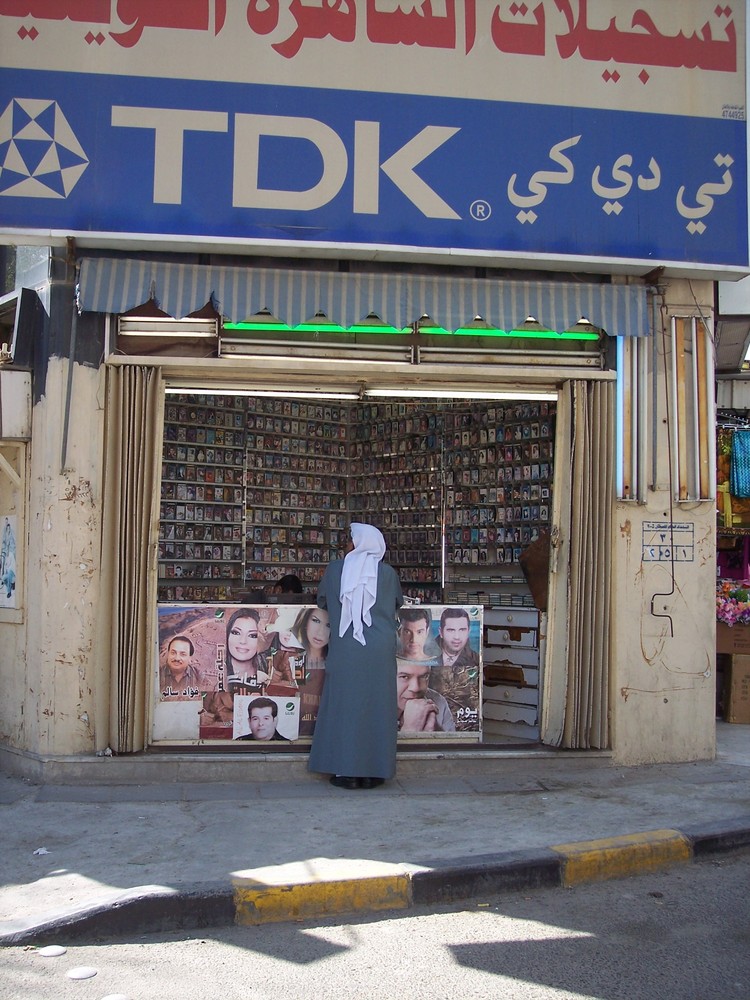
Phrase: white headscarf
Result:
[359,579]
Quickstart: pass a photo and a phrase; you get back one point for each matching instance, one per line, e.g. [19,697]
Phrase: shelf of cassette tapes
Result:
[498,483]
[201,521]
[296,482]
[396,484]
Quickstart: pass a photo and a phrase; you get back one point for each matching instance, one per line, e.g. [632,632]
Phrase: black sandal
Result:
[343,781]
[370,782]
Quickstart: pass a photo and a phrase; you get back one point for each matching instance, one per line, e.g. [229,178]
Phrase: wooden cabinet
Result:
[511,673]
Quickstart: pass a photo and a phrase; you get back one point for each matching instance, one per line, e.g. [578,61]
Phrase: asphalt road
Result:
[679,935]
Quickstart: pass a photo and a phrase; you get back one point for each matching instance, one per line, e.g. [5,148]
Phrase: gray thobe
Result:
[356,728]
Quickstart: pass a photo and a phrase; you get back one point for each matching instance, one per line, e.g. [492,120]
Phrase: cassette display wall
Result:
[202,498]
[396,485]
[498,481]
[296,479]
[254,488]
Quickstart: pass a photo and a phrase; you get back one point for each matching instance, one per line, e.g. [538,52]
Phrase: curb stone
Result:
[713,838]
[359,887]
[143,910]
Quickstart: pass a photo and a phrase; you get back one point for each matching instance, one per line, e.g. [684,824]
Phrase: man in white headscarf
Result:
[357,725]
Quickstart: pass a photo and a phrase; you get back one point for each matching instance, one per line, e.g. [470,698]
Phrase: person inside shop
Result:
[254,659]
[178,676]
[288,590]
[420,709]
[313,630]
[289,584]
[453,640]
[263,715]
[356,729]
[415,640]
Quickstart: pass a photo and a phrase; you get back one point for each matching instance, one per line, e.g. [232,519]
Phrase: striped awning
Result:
[116,285]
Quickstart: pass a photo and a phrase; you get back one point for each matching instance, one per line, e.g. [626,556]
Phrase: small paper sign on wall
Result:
[8,533]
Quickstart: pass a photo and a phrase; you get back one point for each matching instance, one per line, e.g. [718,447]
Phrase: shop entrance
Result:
[257,487]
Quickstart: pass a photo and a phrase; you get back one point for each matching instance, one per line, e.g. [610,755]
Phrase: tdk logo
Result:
[169,127]
[40,156]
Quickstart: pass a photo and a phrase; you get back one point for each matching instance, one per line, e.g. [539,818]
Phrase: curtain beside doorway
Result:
[135,407]
[576,705]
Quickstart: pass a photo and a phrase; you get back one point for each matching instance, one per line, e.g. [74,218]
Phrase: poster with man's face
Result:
[220,656]
[260,719]
[439,669]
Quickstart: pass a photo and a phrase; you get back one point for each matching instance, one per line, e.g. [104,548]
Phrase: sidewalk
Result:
[90,860]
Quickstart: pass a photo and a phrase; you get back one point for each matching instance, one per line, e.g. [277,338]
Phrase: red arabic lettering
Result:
[646,45]
[337,18]
[89,11]
[220,15]
[520,39]
[470,25]
[191,14]
[420,26]
[263,16]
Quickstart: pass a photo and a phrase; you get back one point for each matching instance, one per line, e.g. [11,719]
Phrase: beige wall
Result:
[663,685]
[47,669]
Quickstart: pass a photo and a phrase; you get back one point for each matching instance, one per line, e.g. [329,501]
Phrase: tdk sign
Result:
[170,127]
[238,164]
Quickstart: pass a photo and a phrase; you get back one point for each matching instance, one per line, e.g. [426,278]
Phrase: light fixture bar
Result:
[403,393]
[416,392]
[158,326]
[541,334]
[375,328]
[373,354]
[319,328]
[430,331]
[264,327]
[302,394]
[173,390]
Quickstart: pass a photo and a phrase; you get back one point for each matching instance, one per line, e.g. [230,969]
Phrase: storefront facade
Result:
[369,310]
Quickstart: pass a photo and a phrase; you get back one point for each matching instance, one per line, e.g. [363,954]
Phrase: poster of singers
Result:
[256,673]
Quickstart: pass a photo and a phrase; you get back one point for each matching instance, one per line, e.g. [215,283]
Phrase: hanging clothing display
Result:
[739,478]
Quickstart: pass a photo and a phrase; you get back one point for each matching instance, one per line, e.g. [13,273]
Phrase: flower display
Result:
[733,603]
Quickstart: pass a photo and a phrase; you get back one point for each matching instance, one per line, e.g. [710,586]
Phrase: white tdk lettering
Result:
[399,167]
[170,126]
[247,132]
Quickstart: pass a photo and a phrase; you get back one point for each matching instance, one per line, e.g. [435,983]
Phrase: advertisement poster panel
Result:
[255,674]
[439,670]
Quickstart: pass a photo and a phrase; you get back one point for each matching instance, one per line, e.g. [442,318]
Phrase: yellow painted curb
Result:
[612,857]
[316,888]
